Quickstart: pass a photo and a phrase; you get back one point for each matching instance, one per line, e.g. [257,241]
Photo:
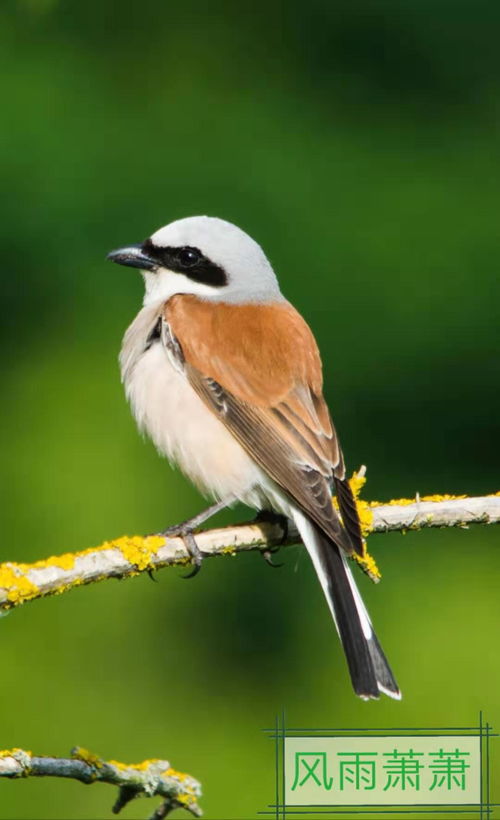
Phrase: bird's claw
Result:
[267,555]
[273,518]
[193,550]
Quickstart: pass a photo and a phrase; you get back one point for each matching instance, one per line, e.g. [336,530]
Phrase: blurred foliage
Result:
[358,142]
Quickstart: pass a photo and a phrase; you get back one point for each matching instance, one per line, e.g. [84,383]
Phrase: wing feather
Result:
[271,402]
[265,438]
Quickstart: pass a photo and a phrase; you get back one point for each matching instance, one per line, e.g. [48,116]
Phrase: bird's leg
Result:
[272,518]
[185,530]
[192,523]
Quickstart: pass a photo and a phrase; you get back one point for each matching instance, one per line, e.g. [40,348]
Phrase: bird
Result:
[225,376]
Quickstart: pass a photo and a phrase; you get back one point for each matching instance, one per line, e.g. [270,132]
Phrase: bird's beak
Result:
[134,257]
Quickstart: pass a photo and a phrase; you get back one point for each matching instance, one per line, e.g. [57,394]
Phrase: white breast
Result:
[181,426]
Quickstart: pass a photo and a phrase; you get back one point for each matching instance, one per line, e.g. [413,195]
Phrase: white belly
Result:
[187,432]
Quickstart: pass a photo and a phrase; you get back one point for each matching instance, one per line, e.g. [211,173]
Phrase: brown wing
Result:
[258,368]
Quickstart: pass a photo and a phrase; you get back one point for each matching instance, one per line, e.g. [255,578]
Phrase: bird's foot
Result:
[186,529]
[195,553]
[271,517]
[186,532]
[267,555]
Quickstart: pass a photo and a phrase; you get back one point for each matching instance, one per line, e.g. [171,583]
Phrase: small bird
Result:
[225,377]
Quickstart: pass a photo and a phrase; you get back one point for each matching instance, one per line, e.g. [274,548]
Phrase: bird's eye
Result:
[188,257]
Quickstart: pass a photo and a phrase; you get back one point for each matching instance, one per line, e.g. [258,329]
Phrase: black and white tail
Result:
[368,667]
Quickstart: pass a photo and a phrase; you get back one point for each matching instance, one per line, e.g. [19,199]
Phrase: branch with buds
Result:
[129,556]
[148,779]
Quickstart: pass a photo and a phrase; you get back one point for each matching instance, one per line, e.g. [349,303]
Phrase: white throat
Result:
[163,284]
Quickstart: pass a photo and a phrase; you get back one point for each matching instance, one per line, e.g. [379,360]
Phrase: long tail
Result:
[368,667]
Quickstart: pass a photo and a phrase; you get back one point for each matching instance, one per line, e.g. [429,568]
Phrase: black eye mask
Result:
[187,260]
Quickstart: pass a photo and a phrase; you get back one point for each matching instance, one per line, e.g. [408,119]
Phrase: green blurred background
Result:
[358,142]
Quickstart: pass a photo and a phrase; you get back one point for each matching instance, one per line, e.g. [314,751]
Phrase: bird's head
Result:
[204,256]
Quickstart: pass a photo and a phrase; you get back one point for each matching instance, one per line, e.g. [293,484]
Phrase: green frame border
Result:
[280,811]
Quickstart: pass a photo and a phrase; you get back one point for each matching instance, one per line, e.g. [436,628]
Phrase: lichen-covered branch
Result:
[128,556]
[147,779]
[435,511]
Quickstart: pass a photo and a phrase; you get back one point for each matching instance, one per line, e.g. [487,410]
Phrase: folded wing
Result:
[265,383]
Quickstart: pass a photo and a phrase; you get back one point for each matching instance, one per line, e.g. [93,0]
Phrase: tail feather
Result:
[368,666]
[349,513]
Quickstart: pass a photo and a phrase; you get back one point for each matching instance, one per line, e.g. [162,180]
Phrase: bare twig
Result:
[128,556]
[148,779]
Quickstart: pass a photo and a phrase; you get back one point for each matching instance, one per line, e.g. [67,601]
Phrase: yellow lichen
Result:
[366,561]
[147,764]
[118,765]
[356,483]
[185,799]
[75,582]
[182,560]
[405,502]
[137,767]
[368,564]
[144,765]
[14,752]
[14,581]
[22,758]
[64,561]
[80,753]
[137,550]
[365,517]
[170,772]
[436,498]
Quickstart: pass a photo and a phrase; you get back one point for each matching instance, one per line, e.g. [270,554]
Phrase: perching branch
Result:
[128,556]
[147,779]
